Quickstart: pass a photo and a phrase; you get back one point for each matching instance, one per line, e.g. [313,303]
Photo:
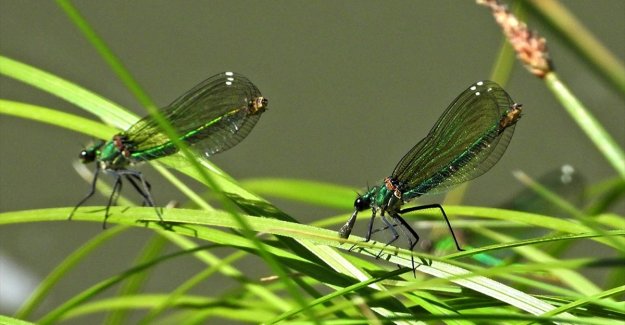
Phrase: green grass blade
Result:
[106,53]
[227,270]
[133,286]
[335,294]
[5,320]
[587,122]
[106,110]
[196,304]
[126,77]
[334,196]
[303,232]
[57,118]
[118,117]
[179,292]
[59,312]
[573,279]
[526,218]
[61,270]
[511,243]
[586,300]
[583,42]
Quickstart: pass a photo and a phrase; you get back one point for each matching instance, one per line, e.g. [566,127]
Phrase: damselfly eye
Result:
[87,156]
[361,204]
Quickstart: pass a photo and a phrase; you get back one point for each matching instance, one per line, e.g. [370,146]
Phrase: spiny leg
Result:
[369,227]
[431,206]
[145,191]
[382,229]
[411,243]
[148,189]
[133,181]
[392,228]
[91,191]
[117,187]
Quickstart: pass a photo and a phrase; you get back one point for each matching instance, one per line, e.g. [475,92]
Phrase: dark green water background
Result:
[352,86]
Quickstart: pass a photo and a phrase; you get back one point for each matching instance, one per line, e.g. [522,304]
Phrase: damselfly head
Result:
[362,203]
[90,153]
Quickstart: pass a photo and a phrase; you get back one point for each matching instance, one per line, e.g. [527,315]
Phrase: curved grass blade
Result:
[55,117]
[106,110]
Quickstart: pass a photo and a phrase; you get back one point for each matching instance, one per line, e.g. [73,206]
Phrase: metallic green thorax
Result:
[111,157]
[383,197]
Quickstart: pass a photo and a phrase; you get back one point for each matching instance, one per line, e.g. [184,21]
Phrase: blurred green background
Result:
[352,86]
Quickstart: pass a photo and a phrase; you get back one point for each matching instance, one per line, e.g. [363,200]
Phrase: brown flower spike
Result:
[531,49]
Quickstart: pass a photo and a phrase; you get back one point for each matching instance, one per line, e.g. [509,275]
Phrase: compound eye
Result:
[87,156]
[361,204]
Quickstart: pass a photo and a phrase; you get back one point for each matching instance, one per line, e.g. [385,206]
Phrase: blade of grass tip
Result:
[597,56]
[106,110]
[133,286]
[118,67]
[587,122]
[63,268]
[547,194]
[612,220]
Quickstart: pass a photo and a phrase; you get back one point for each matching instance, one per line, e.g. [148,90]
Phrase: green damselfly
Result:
[466,141]
[212,117]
